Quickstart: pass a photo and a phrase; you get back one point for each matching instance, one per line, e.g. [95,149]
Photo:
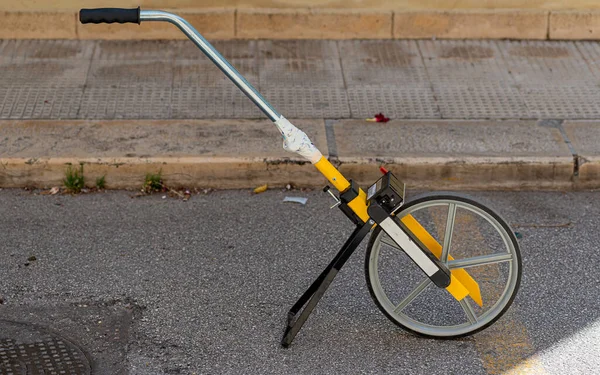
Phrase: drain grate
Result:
[25,349]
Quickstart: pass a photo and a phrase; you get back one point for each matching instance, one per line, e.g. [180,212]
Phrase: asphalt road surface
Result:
[162,286]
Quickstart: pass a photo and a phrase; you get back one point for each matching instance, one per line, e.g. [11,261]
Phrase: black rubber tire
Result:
[462,198]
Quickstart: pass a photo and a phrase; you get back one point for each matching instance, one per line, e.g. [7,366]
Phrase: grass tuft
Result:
[74,180]
[153,182]
[101,182]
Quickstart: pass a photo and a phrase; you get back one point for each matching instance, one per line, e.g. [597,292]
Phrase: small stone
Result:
[32,258]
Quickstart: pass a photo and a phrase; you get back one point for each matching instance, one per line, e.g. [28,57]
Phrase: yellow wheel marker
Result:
[460,275]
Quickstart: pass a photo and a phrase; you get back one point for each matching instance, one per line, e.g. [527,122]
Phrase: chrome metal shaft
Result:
[214,56]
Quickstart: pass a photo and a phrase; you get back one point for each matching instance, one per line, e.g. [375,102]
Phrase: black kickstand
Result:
[314,293]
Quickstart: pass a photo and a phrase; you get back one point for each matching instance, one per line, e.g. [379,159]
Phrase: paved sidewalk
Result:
[67,79]
[128,108]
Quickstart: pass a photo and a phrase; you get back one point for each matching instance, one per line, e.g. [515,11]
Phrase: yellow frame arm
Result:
[461,283]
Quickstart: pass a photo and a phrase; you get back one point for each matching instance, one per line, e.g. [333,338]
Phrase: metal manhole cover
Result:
[25,349]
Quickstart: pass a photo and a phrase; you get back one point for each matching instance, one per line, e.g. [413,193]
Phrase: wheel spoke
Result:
[414,294]
[448,232]
[480,260]
[385,239]
[468,309]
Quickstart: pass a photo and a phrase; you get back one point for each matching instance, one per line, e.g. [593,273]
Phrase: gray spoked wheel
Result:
[470,239]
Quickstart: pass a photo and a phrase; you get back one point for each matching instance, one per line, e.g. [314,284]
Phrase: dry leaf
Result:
[52,191]
[260,189]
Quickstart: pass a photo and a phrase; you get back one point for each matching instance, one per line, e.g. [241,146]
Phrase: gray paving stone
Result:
[125,73]
[591,53]
[471,81]
[397,139]
[301,73]
[151,138]
[545,63]
[221,101]
[132,101]
[563,102]
[298,49]
[19,50]
[36,73]
[40,102]
[125,50]
[387,76]
[480,100]
[382,62]
[585,138]
[446,154]
[204,74]
[554,78]
[452,62]
[309,102]
[395,101]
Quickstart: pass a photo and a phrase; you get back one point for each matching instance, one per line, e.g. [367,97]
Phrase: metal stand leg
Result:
[314,293]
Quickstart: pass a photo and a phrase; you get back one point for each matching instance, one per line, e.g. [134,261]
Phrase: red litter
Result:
[379,118]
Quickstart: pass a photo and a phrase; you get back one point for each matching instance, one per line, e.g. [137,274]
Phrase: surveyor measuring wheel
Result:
[441,265]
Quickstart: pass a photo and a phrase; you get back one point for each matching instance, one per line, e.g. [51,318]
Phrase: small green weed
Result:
[153,182]
[101,182]
[74,180]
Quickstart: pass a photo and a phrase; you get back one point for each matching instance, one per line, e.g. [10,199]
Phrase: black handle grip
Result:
[109,15]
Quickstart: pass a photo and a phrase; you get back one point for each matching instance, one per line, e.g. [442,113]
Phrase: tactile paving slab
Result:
[25,349]
[19,50]
[39,102]
[471,81]
[301,73]
[545,62]
[554,79]
[298,49]
[223,101]
[309,102]
[591,53]
[382,62]
[394,101]
[104,73]
[204,74]
[132,101]
[303,79]
[42,79]
[451,62]
[387,76]
[481,100]
[563,102]
[140,50]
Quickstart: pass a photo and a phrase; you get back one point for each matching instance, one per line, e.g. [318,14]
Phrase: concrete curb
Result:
[303,23]
[471,24]
[232,154]
[313,24]
[575,25]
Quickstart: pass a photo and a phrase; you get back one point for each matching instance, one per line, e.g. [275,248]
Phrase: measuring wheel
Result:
[442,265]
[474,242]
